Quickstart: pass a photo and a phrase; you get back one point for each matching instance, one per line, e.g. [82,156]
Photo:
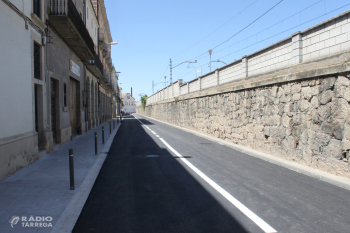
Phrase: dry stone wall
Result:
[306,121]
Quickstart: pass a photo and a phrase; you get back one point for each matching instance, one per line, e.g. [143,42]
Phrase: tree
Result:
[144,101]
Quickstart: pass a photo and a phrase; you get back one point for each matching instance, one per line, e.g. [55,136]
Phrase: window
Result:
[36,7]
[37,65]
[64,94]
[128,97]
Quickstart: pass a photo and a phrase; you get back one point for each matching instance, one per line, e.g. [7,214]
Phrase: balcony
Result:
[105,50]
[95,66]
[65,19]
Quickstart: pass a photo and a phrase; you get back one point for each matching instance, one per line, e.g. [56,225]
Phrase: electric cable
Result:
[216,29]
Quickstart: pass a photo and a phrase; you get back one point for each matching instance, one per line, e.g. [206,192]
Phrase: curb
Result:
[70,215]
[312,172]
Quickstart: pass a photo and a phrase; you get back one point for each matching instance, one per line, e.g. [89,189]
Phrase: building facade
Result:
[62,72]
[129,103]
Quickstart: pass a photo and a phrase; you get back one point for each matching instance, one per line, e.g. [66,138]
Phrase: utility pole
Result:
[171,68]
[171,72]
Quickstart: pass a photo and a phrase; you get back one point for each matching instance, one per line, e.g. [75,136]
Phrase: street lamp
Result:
[210,52]
[113,43]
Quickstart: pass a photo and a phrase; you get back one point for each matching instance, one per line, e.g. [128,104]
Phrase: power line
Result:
[248,25]
[240,30]
[166,68]
[205,53]
[269,27]
[216,29]
[272,36]
[285,31]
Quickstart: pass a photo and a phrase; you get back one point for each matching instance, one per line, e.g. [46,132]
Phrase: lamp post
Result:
[164,81]
[210,52]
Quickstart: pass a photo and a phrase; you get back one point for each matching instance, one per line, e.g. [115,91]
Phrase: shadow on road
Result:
[139,189]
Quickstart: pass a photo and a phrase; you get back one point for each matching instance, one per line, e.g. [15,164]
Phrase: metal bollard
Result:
[71,169]
[110,127]
[96,143]
[103,135]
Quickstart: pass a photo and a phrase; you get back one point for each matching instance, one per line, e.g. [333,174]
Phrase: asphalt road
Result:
[158,178]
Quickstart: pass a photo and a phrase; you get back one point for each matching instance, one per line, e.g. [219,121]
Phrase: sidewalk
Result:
[42,189]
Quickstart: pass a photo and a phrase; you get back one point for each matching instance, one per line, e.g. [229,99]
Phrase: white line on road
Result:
[153,132]
[157,136]
[257,220]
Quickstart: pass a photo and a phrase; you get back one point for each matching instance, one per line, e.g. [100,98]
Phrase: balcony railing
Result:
[66,20]
[95,66]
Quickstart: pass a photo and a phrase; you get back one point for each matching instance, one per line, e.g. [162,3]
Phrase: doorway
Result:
[73,103]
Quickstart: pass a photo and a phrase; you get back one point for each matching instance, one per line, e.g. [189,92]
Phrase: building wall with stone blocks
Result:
[306,121]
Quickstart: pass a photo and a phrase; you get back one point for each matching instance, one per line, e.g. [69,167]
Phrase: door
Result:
[53,108]
[73,106]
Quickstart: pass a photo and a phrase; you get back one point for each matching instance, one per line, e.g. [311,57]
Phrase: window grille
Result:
[65,95]
[37,65]
[36,7]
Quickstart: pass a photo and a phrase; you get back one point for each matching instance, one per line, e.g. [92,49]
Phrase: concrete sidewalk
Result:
[42,189]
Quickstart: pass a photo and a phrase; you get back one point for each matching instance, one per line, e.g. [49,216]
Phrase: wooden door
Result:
[73,106]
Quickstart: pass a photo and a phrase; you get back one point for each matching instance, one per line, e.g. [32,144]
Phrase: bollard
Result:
[103,135]
[96,143]
[110,127]
[71,169]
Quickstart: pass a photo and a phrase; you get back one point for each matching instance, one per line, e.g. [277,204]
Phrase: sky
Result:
[151,32]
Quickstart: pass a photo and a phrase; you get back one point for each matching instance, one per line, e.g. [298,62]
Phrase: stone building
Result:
[70,89]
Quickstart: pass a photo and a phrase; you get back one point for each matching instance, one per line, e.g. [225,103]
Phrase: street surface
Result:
[158,178]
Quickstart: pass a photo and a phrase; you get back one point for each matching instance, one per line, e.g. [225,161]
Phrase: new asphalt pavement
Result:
[158,178]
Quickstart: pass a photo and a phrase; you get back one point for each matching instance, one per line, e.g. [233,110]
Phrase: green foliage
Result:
[144,101]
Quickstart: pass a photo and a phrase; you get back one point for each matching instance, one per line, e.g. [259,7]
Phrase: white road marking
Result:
[157,136]
[153,132]
[257,220]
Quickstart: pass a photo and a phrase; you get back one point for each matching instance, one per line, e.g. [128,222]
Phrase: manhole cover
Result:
[152,156]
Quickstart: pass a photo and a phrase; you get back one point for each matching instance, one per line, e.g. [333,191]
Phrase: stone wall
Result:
[306,121]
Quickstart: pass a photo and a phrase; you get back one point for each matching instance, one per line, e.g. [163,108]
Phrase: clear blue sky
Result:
[149,33]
